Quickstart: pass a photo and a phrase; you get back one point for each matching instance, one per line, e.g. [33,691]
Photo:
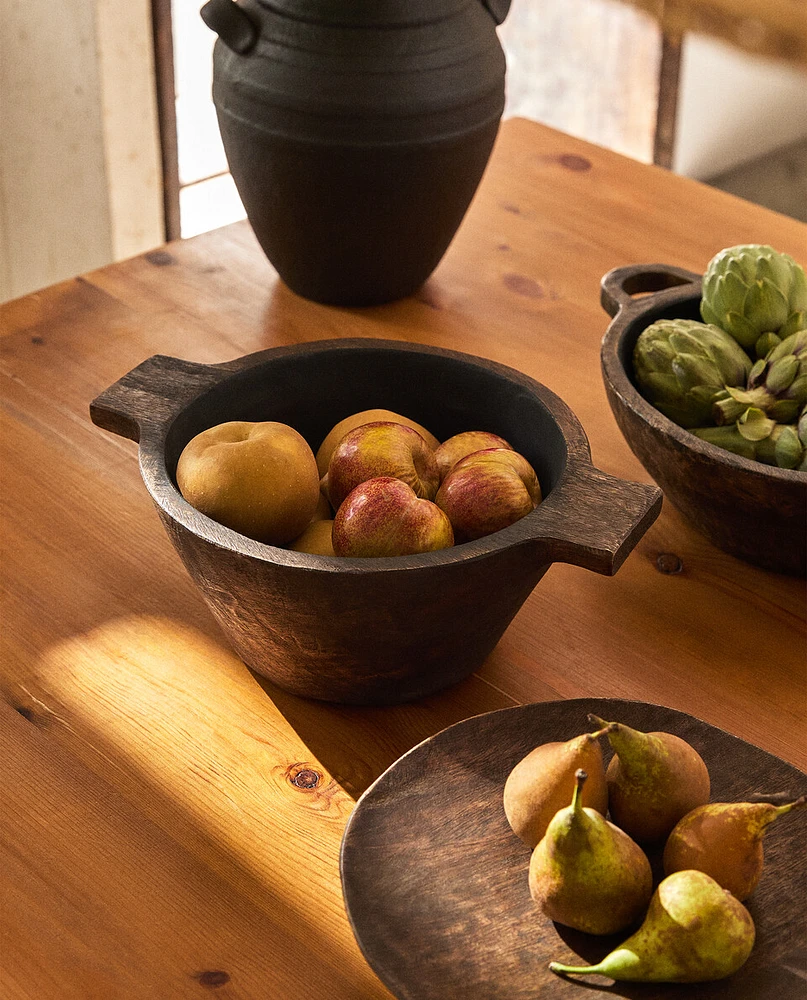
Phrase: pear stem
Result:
[607,727]
[796,804]
[577,799]
[578,970]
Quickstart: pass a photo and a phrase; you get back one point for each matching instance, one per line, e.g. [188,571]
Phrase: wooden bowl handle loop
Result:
[594,520]
[618,287]
[152,393]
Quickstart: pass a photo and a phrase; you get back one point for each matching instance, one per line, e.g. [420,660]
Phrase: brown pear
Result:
[653,780]
[588,874]
[543,782]
[724,840]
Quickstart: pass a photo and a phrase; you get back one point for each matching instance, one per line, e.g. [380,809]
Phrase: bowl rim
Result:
[525,531]
[623,325]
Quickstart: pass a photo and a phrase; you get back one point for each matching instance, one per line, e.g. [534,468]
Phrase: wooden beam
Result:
[166,107]
[667,103]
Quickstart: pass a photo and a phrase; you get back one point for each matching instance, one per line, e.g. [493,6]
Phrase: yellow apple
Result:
[257,478]
[323,510]
[316,539]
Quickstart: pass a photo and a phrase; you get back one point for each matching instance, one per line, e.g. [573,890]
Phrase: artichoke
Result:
[682,366]
[752,291]
[758,437]
[777,385]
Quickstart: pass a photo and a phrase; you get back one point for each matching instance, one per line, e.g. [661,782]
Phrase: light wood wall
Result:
[589,69]
[80,178]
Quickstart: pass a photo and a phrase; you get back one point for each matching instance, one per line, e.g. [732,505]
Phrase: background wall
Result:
[80,177]
[734,107]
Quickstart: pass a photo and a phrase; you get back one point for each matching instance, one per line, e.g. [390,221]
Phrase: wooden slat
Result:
[162,31]
[773,28]
[667,104]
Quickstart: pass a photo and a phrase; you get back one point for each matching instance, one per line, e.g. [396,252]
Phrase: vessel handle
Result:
[619,286]
[593,520]
[498,9]
[232,24]
[152,393]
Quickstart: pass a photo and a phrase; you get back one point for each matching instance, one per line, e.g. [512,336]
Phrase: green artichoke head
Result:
[777,385]
[681,366]
[753,290]
[783,374]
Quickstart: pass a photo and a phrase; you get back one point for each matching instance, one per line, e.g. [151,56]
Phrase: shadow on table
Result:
[357,744]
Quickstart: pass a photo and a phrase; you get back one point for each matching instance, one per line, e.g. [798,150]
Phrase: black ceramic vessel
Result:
[357,132]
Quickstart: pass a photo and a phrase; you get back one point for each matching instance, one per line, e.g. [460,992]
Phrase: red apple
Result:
[385,517]
[381,448]
[335,435]
[487,491]
[466,443]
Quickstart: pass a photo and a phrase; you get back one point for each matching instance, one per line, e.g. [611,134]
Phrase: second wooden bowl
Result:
[753,511]
[374,630]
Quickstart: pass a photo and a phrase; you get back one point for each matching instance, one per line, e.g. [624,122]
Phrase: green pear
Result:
[724,839]
[653,779]
[543,781]
[588,874]
[694,932]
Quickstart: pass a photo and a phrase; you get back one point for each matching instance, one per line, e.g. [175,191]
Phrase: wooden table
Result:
[155,838]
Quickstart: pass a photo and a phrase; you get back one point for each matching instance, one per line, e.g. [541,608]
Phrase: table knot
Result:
[669,563]
[305,778]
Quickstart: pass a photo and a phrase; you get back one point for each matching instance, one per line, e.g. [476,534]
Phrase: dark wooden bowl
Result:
[374,631]
[753,511]
[435,881]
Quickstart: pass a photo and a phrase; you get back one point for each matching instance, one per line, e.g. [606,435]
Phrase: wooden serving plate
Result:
[435,882]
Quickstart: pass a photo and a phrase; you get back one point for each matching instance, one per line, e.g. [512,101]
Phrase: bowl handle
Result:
[620,284]
[154,391]
[594,520]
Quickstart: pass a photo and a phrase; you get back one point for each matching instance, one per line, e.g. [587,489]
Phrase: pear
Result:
[694,932]
[653,780]
[543,781]
[588,874]
[724,839]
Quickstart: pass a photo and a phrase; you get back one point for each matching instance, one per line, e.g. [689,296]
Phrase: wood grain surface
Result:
[171,822]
